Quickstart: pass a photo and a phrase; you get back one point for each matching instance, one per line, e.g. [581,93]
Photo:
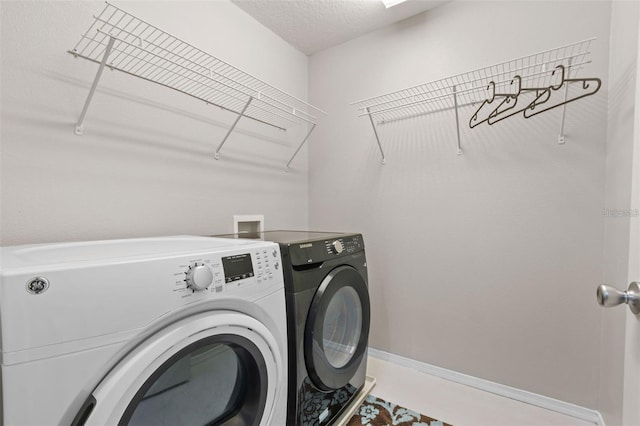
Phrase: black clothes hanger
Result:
[542,95]
[473,122]
[590,86]
[508,106]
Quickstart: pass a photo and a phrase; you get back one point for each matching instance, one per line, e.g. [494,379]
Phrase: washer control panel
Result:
[345,245]
[217,273]
[316,251]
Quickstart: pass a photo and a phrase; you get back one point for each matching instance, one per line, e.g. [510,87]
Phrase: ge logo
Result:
[37,285]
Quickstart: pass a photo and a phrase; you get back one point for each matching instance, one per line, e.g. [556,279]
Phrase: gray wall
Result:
[145,163]
[486,263]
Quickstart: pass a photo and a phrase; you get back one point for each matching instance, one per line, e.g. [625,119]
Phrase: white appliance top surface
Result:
[97,251]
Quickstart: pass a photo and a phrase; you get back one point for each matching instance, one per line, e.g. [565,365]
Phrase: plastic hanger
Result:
[542,95]
[473,122]
[586,84]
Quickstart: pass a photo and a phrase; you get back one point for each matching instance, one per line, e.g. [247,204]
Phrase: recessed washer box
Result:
[248,226]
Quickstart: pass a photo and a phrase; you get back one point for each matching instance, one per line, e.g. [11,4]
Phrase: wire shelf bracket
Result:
[300,146]
[79,129]
[233,126]
[564,110]
[497,89]
[455,104]
[122,42]
[375,132]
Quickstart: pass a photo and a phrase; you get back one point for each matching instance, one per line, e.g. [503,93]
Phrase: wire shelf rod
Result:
[484,69]
[227,83]
[86,33]
[474,88]
[205,68]
[579,43]
[448,95]
[137,62]
[96,35]
[150,64]
[153,67]
[421,113]
[207,101]
[226,63]
[160,68]
[399,117]
[416,97]
[483,87]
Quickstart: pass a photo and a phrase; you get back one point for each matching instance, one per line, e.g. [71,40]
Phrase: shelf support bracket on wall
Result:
[233,126]
[564,108]
[301,144]
[455,105]
[375,132]
[78,129]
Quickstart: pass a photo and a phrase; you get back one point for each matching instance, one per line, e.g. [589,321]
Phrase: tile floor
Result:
[454,403]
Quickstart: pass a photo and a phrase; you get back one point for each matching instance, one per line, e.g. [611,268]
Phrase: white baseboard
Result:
[527,397]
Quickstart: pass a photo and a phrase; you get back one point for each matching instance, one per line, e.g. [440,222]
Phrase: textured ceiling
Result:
[314,25]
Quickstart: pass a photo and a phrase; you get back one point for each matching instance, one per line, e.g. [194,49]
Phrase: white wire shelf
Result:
[541,72]
[120,41]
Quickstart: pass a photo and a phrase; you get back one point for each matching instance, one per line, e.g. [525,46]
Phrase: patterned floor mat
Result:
[378,412]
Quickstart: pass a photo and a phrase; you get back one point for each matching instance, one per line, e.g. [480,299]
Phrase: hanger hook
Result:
[561,68]
[474,118]
[519,80]
[492,86]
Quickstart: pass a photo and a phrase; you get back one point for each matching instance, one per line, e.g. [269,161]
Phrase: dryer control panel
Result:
[122,286]
[217,273]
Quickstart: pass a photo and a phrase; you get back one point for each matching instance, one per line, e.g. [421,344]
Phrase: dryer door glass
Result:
[212,381]
[342,327]
[337,329]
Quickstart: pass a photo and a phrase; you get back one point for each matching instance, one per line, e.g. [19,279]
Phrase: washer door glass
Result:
[337,328]
[207,383]
[342,327]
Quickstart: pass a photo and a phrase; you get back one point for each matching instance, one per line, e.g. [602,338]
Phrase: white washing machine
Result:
[155,331]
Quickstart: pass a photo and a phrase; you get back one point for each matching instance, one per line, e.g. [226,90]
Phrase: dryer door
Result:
[208,369]
[337,328]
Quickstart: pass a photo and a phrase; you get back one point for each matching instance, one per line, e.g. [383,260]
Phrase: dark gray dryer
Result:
[328,318]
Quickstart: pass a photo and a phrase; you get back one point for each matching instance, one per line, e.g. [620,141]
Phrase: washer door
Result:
[337,329]
[208,369]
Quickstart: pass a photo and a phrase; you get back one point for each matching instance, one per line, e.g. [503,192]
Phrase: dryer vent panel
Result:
[248,226]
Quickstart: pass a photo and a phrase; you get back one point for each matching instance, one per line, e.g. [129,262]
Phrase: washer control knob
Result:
[199,277]
[337,247]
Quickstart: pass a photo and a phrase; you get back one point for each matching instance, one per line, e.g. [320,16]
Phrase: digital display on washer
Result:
[237,267]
